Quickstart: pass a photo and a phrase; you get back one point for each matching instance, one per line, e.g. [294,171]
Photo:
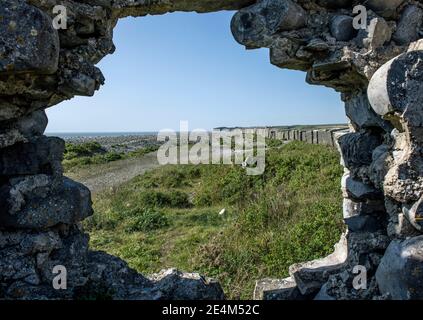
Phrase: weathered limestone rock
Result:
[362,115]
[256,24]
[277,289]
[378,33]
[363,216]
[323,295]
[378,167]
[342,28]
[399,273]
[310,276]
[40,210]
[385,8]
[409,26]
[357,148]
[364,249]
[24,129]
[42,155]
[27,45]
[358,190]
[390,90]
[184,286]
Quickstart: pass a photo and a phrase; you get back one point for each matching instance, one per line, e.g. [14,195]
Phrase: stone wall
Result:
[378,71]
[328,137]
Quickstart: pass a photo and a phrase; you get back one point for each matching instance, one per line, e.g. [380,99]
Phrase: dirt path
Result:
[112,174]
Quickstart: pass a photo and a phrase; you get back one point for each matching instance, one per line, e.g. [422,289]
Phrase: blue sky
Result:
[187,66]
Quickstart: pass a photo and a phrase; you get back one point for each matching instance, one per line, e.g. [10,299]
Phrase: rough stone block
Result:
[187,286]
[40,207]
[27,45]
[357,148]
[325,138]
[250,26]
[399,274]
[23,129]
[342,29]
[361,114]
[358,190]
[277,289]
[396,86]
[378,33]
[363,216]
[310,276]
[308,137]
[384,8]
[41,155]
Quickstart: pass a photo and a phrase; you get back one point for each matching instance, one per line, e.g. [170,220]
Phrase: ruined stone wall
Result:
[377,70]
[327,137]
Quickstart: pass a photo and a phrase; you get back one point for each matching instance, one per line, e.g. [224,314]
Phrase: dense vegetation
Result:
[170,217]
[88,153]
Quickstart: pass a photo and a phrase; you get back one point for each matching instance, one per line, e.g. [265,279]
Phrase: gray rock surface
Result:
[362,115]
[277,289]
[385,8]
[357,148]
[342,28]
[408,29]
[310,276]
[30,44]
[399,273]
[41,211]
[363,216]
[357,190]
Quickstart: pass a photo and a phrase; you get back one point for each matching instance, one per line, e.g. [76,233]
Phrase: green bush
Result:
[274,143]
[143,151]
[173,199]
[90,153]
[86,149]
[145,220]
[112,156]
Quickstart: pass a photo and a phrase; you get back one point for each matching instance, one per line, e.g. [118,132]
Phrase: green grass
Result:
[89,153]
[169,217]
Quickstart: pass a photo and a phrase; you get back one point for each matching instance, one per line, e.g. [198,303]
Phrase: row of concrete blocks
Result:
[325,137]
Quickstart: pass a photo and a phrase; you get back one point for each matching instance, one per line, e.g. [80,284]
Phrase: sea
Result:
[69,135]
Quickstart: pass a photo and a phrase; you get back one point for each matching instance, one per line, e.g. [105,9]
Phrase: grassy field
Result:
[169,217]
[91,153]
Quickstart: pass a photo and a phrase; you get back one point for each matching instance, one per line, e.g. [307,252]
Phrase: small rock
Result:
[277,289]
[378,33]
[342,29]
[357,190]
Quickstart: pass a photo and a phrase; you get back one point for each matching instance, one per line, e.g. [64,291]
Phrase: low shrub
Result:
[145,220]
